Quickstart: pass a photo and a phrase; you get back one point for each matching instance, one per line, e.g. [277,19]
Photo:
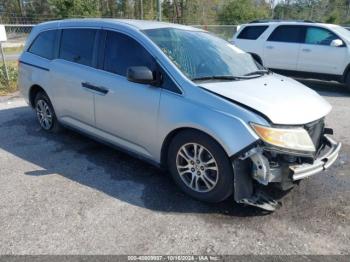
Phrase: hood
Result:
[283,100]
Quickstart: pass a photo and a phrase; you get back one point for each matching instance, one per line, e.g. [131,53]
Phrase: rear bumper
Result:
[320,164]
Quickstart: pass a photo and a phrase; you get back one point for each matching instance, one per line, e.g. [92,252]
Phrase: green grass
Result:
[8,87]
[13,50]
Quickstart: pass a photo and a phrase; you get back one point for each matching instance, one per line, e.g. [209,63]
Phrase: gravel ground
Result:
[66,194]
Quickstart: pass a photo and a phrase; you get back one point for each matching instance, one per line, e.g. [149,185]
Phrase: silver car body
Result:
[141,118]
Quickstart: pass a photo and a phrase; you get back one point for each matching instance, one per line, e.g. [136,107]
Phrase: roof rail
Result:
[278,20]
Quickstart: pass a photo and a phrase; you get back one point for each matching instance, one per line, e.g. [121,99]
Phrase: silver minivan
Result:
[182,99]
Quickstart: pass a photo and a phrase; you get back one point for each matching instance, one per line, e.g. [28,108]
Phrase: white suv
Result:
[302,49]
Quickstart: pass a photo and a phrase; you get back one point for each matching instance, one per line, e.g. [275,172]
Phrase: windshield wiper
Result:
[259,72]
[230,77]
[223,77]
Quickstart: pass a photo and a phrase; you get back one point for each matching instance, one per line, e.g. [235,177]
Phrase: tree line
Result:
[203,12]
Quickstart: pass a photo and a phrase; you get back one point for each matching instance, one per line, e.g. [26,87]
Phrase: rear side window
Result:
[44,44]
[319,36]
[121,52]
[252,32]
[287,34]
[77,45]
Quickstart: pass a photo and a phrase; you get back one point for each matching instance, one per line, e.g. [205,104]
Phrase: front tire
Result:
[46,114]
[200,166]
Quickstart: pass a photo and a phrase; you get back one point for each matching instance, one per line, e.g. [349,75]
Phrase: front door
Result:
[129,110]
[281,49]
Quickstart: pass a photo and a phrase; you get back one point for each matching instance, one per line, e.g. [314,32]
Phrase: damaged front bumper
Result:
[321,163]
[263,165]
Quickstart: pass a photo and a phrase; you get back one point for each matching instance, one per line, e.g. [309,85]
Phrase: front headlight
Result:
[289,138]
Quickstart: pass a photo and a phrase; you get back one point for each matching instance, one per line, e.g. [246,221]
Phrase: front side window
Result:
[252,32]
[122,52]
[44,44]
[287,34]
[77,45]
[319,36]
[199,54]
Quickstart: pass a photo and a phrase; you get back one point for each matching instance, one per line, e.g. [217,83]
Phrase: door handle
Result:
[269,47]
[98,89]
[307,50]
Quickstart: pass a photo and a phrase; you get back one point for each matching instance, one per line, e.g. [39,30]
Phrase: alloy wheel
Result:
[197,167]
[44,114]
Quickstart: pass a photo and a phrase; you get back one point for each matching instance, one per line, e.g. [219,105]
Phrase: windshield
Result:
[202,55]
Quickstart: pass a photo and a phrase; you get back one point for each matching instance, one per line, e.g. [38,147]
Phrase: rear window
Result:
[44,44]
[77,45]
[319,36]
[288,34]
[252,32]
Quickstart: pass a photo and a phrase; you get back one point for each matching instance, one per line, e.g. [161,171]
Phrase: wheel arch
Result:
[170,137]
[33,91]
[346,72]
[257,58]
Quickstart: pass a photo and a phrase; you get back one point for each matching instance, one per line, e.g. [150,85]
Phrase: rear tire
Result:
[200,166]
[46,114]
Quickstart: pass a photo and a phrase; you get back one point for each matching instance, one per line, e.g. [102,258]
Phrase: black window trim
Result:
[314,26]
[55,45]
[101,49]
[101,53]
[33,65]
[302,40]
[179,91]
[95,48]
[305,27]
[247,26]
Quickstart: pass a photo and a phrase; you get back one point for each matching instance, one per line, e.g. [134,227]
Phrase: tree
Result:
[191,11]
[75,8]
[329,11]
[238,11]
[204,12]
[11,11]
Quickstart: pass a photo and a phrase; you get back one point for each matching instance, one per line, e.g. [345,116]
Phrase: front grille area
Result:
[316,130]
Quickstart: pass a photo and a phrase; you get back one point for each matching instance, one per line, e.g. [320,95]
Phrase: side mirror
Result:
[337,43]
[141,75]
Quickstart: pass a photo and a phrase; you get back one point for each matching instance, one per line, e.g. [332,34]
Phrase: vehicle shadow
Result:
[102,168]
